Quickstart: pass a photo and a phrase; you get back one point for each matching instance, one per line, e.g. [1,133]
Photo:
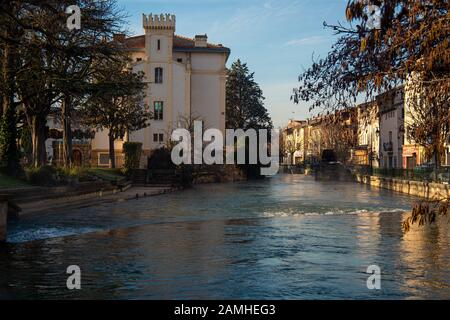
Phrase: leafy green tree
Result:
[116,102]
[9,153]
[245,101]
[245,107]
[48,64]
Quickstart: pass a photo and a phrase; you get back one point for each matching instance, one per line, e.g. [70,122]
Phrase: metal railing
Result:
[440,175]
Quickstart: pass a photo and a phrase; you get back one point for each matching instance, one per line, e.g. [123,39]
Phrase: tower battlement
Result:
[162,21]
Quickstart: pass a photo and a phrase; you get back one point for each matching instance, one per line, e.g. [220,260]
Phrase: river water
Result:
[288,237]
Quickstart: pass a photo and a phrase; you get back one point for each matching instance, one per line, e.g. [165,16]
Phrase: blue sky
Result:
[276,38]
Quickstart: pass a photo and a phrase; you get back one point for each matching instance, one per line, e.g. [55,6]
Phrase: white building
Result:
[368,150]
[391,117]
[186,80]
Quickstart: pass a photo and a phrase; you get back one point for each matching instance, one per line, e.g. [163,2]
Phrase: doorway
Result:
[77,158]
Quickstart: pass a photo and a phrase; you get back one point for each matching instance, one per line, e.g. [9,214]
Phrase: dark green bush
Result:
[133,152]
[43,176]
[161,159]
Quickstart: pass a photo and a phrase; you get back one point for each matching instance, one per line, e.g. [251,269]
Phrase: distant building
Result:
[392,130]
[294,142]
[413,153]
[304,141]
[368,150]
[81,141]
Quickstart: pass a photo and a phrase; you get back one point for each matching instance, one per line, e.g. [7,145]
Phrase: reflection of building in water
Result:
[368,235]
[174,249]
[425,251]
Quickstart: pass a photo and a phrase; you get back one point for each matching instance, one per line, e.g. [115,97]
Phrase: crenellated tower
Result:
[159,22]
[159,36]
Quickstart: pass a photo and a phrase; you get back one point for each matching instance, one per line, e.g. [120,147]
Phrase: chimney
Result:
[119,37]
[201,41]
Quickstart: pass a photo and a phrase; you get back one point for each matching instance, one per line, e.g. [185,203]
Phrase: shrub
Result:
[133,151]
[161,159]
[43,176]
[69,175]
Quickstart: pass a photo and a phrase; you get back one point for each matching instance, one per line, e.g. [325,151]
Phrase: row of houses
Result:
[371,134]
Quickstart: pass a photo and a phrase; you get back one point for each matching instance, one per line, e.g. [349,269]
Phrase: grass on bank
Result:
[52,176]
[9,182]
[112,175]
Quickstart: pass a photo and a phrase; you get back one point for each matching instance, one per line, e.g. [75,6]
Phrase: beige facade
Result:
[186,80]
[367,151]
[294,140]
[392,129]
[413,154]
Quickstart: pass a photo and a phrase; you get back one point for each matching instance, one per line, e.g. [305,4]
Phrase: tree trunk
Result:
[112,153]
[38,124]
[67,132]
[9,157]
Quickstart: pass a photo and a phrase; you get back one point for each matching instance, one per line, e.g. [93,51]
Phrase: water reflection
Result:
[288,238]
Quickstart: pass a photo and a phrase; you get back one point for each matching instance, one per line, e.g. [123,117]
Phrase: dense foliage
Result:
[133,152]
[47,66]
[245,101]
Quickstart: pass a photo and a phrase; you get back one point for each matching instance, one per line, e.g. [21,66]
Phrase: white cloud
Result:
[255,17]
[307,41]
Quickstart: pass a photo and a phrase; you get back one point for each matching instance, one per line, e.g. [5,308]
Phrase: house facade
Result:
[294,140]
[413,153]
[368,149]
[186,81]
[391,118]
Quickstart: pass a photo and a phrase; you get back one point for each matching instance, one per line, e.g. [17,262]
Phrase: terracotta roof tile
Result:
[179,44]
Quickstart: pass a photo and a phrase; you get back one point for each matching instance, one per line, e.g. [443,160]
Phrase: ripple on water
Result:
[285,238]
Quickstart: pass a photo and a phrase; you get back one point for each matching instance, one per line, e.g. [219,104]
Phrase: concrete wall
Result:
[389,122]
[432,191]
[208,89]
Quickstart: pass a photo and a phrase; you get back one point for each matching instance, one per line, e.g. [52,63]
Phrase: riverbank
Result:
[92,199]
[422,189]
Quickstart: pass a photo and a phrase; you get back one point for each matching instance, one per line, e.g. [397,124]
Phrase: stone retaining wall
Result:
[428,190]
[219,174]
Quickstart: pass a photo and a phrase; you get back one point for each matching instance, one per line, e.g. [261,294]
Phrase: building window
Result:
[158,137]
[158,75]
[390,136]
[159,44]
[158,109]
[103,159]
[180,60]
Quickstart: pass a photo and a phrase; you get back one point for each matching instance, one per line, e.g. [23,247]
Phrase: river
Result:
[288,237]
